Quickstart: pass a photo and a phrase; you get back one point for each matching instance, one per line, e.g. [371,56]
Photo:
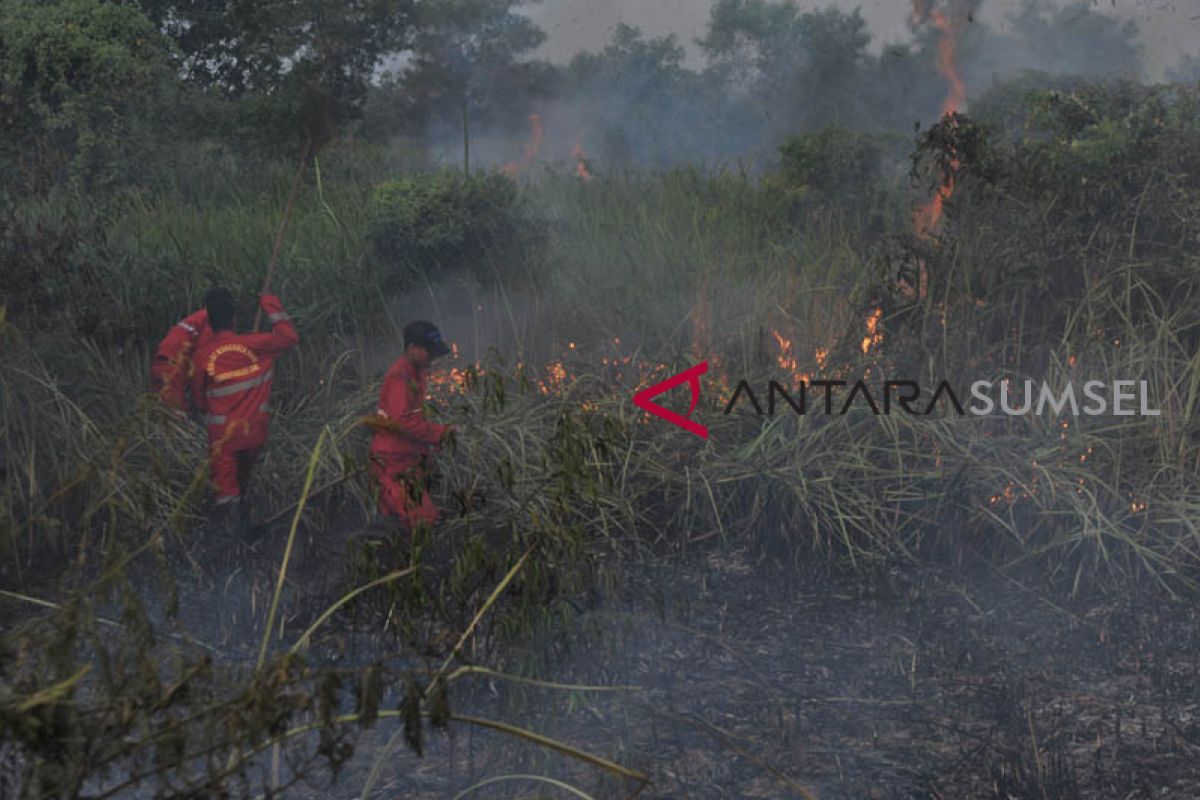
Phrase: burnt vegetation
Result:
[853,605]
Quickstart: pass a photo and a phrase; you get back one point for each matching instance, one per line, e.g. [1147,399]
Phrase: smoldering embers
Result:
[986,398]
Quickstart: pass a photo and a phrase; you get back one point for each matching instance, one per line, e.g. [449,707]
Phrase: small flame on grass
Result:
[577,153]
[874,335]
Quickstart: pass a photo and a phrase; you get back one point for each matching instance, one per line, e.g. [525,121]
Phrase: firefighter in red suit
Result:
[404,438]
[171,371]
[231,386]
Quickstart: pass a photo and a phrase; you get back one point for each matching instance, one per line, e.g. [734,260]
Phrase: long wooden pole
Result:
[287,215]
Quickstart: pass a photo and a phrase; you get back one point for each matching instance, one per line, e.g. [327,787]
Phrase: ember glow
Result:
[453,379]
[559,379]
[555,379]
[874,335]
[786,359]
[577,153]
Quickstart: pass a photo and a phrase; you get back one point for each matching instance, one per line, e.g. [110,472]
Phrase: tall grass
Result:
[639,271]
[641,275]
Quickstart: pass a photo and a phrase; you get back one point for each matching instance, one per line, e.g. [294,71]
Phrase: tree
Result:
[638,99]
[805,67]
[296,64]
[1077,40]
[469,65]
[83,86]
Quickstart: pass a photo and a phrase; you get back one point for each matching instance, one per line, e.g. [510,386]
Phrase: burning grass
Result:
[556,474]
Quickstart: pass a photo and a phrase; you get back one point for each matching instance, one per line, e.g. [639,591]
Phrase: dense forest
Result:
[834,605]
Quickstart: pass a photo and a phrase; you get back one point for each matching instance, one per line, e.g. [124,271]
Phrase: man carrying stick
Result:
[231,385]
[404,439]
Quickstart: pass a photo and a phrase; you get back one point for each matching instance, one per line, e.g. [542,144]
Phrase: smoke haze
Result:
[1168,31]
[726,82]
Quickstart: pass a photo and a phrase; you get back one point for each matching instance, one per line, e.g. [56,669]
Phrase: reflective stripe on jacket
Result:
[171,370]
[402,400]
[232,378]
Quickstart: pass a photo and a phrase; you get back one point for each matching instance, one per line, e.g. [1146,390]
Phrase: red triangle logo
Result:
[689,376]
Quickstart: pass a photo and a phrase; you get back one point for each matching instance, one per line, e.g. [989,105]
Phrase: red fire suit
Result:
[231,385]
[398,457]
[170,373]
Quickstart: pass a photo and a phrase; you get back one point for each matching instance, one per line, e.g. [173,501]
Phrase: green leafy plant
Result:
[448,224]
[81,85]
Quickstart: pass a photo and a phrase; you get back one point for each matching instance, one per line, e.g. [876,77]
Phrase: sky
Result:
[1169,28]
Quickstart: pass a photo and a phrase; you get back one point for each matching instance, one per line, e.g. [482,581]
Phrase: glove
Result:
[273,309]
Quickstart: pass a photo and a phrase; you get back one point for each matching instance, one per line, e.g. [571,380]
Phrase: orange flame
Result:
[581,168]
[947,61]
[786,358]
[556,380]
[874,335]
[532,148]
[927,216]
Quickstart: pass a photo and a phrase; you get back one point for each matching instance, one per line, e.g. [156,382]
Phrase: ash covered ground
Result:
[737,675]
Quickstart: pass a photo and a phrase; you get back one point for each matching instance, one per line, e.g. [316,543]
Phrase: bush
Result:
[447,223]
[1095,191]
[833,161]
[838,169]
[82,89]
[55,269]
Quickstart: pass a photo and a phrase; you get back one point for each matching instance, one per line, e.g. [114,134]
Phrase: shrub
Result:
[837,169]
[82,89]
[449,223]
[833,161]
[1097,187]
[54,269]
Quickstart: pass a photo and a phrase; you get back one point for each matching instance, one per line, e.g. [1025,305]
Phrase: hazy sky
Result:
[1169,28]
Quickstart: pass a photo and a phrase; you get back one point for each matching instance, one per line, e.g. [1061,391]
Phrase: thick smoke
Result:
[761,71]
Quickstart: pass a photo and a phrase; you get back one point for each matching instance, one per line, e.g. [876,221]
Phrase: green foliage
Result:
[1088,167]
[469,65]
[281,73]
[53,267]
[1075,39]
[122,268]
[447,223]
[82,89]
[630,57]
[833,161]
[1008,108]
[239,48]
[1070,230]
[805,66]
[668,114]
[840,170]
[1067,252]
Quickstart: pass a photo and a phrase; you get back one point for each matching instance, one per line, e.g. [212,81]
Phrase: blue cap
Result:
[427,335]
